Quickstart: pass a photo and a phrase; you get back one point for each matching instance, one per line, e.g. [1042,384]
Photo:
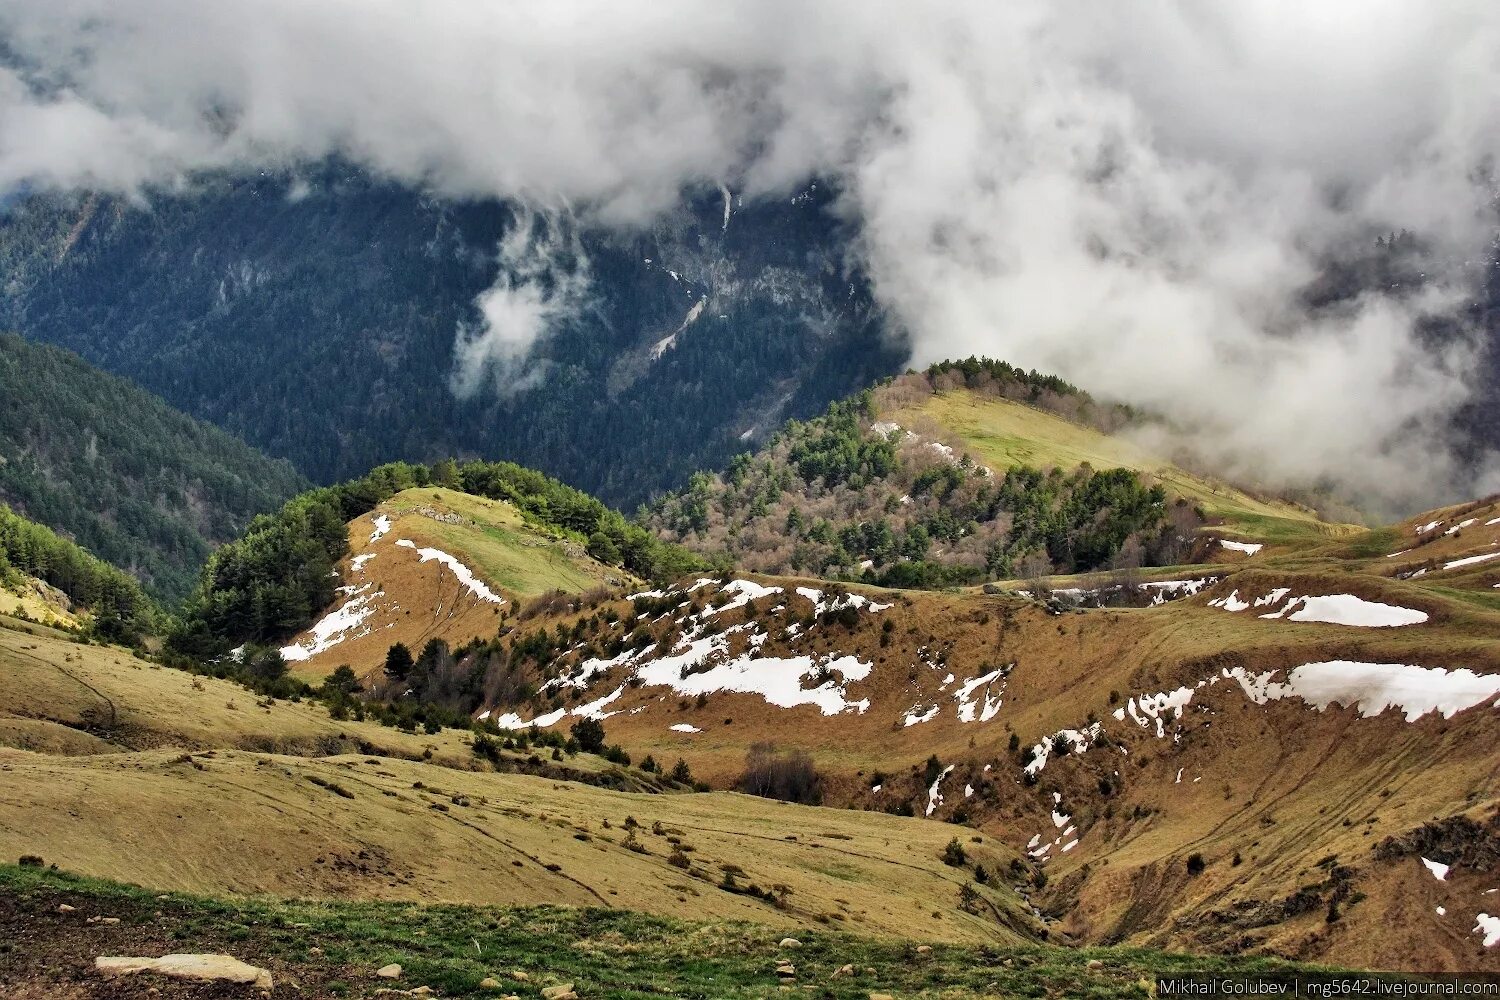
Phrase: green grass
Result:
[605,953]
[1001,433]
[502,547]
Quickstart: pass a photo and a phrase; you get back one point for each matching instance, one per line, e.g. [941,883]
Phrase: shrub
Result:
[1195,864]
[954,855]
[790,776]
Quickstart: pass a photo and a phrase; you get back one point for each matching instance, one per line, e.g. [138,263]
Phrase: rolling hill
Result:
[1259,759]
[970,471]
[120,472]
[438,564]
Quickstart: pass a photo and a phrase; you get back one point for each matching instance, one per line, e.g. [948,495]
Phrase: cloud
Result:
[542,283]
[1132,195]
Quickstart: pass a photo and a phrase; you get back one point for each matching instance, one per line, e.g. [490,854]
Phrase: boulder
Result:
[201,968]
[789,943]
[1094,965]
[563,991]
[392,971]
[489,983]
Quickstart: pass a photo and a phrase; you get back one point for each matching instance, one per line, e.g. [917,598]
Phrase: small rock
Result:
[1094,965]
[562,992]
[520,976]
[392,971]
[489,983]
[204,968]
[789,943]
[881,996]
[845,970]
[315,950]
[924,949]
[422,991]
[104,920]
[65,908]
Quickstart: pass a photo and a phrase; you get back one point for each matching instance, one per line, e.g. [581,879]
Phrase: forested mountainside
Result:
[316,317]
[972,470]
[31,554]
[107,464]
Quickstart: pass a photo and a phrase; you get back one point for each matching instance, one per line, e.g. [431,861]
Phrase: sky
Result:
[1134,196]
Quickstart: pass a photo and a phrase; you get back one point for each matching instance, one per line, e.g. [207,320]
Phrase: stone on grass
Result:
[202,968]
[392,971]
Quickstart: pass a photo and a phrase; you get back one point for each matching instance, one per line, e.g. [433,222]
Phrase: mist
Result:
[1131,196]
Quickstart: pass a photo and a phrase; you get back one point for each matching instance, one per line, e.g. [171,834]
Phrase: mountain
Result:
[436,564]
[117,470]
[318,317]
[1273,754]
[967,472]
[278,578]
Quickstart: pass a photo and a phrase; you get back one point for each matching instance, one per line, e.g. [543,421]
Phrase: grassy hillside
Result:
[970,471]
[331,949]
[1258,764]
[257,796]
[117,470]
[278,578]
[1000,433]
[398,585]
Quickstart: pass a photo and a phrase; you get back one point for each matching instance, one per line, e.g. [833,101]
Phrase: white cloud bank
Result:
[1131,195]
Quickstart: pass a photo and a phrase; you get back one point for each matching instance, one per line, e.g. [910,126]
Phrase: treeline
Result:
[119,610]
[138,484]
[845,496]
[279,575]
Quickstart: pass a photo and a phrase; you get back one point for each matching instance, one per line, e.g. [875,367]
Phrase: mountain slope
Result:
[123,756]
[970,471]
[46,578]
[437,564]
[1260,765]
[114,468]
[318,316]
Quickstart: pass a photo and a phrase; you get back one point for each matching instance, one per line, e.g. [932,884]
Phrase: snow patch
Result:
[1249,548]
[684,727]
[1346,609]
[465,576]
[382,525]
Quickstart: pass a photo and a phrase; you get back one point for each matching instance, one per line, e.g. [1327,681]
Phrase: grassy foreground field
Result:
[332,950]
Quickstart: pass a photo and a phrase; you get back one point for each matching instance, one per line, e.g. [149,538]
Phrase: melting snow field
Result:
[465,576]
[699,661]
[1346,609]
[382,525]
[1332,609]
[1438,869]
[1490,927]
[1375,687]
[1249,548]
[1471,560]
[685,727]
[334,627]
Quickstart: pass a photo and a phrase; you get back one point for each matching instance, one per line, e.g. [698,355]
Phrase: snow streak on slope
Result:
[703,660]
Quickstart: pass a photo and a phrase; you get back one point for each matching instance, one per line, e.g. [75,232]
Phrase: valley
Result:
[1273,745]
